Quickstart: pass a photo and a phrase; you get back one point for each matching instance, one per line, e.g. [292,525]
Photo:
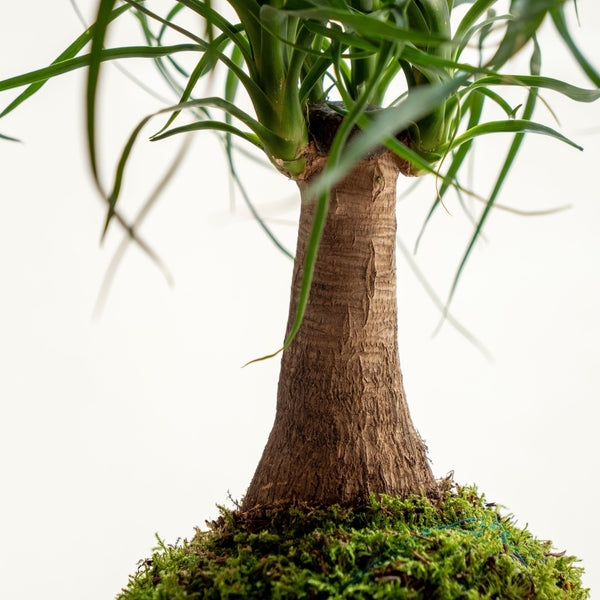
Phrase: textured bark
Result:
[342,428]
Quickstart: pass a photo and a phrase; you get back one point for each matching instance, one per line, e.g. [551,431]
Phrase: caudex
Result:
[345,95]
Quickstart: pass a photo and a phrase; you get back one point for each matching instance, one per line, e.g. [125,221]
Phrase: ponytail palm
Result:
[340,96]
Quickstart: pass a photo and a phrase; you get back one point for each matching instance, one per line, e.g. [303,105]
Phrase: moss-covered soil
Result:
[460,547]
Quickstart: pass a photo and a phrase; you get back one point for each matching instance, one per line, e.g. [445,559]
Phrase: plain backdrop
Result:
[140,421]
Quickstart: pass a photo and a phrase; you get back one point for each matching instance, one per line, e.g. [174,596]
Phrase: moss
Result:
[461,547]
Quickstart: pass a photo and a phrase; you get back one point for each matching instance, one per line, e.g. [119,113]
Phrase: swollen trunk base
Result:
[342,429]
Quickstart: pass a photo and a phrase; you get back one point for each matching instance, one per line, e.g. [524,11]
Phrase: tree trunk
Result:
[342,428]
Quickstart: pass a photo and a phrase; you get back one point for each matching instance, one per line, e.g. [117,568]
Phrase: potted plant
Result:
[311,85]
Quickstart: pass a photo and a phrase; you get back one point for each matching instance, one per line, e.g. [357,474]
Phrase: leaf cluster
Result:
[431,69]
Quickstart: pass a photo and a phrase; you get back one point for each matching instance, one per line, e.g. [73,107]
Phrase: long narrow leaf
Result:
[368,26]
[217,20]
[70,52]
[209,126]
[170,16]
[484,28]
[436,300]
[535,67]
[255,213]
[212,53]
[508,126]
[343,37]
[260,130]
[135,80]
[248,12]
[8,138]
[475,106]
[535,81]
[42,75]
[148,205]
[95,59]
[479,8]
[231,89]
[499,100]
[558,17]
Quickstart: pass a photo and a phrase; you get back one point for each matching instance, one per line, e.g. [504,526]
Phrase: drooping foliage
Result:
[426,68]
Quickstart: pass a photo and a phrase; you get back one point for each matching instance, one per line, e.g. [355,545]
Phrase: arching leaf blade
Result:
[217,20]
[310,259]
[475,106]
[367,26]
[69,52]
[260,130]
[535,81]
[535,67]
[66,66]
[479,8]
[261,222]
[119,253]
[211,55]
[209,125]
[560,22]
[9,138]
[95,59]
[178,7]
[508,126]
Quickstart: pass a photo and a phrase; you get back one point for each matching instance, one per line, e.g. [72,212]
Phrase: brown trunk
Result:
[342,428]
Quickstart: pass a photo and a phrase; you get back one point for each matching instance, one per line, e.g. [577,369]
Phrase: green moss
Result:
[460,547]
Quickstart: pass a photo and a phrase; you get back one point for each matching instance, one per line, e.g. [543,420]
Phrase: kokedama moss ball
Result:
[459,547]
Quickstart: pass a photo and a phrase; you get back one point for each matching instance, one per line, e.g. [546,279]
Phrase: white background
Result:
[138,422]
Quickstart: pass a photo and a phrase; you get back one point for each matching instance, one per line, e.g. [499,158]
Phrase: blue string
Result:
[514,554]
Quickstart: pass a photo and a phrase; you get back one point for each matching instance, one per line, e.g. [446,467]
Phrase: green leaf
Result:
[209,126]
[436,68]
[558,17]
[65,66]
[217,20]
[214,53]
[339,35]
[168,19]
[248,12]
[499,100]
[95,58]
[535,81]
[528,15]
[132,229]
[484,28]
[205,65]
[508,126]
[535,67]
[254,212]
[368,26]
[265,135]
[70,52]
[479,8]
[474,103]
[8,138]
